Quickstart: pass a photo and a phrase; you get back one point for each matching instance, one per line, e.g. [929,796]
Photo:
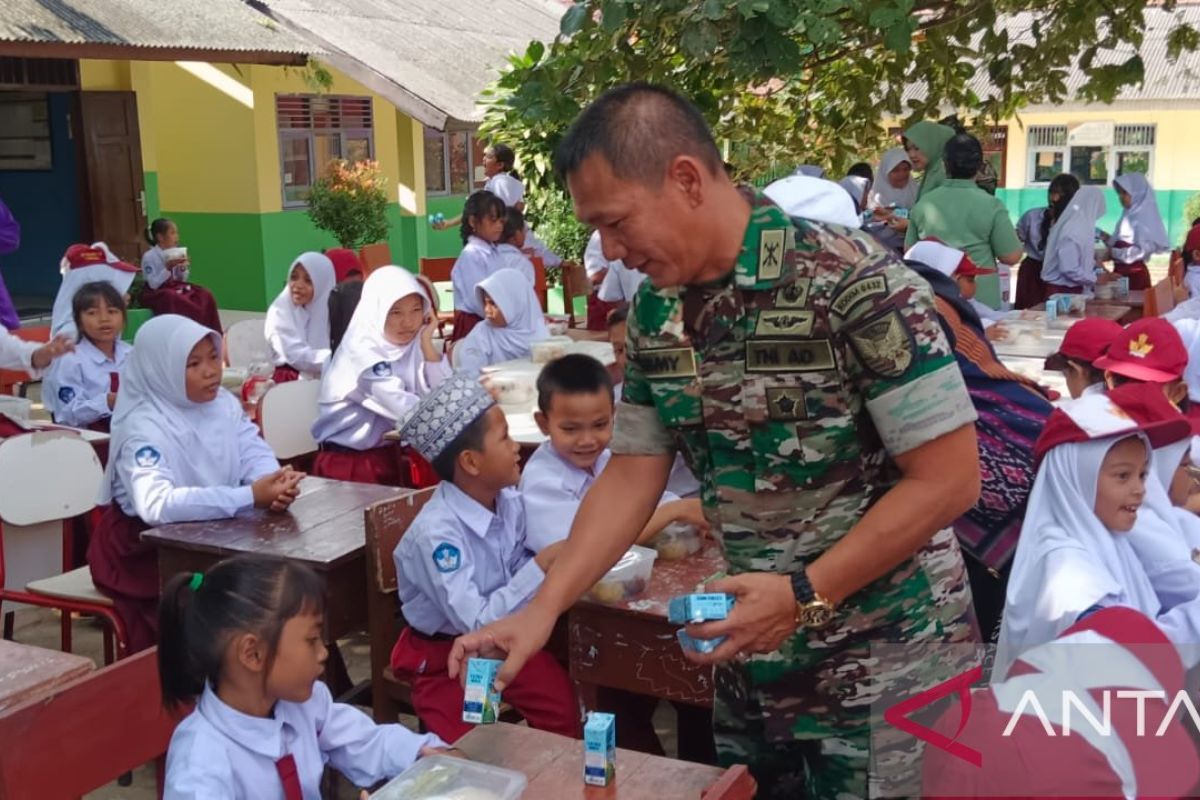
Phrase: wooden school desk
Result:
[323,529]
[631,646]
[28,672]
[554,766]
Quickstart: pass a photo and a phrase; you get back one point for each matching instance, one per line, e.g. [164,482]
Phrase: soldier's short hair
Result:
[638,128]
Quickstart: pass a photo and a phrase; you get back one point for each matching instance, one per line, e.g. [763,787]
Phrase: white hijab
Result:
[814,198]
[525,323]
[364,345]
[61,318]
[309,323]
[1189,331]
[883,194]
[855,186]
[1077,224]
[153,406]
[1141,224]
[942,257]
[1066,560]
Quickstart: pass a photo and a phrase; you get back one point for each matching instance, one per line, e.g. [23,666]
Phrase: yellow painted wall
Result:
[104,75]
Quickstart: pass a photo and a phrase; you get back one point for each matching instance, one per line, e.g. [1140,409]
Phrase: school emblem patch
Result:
[884,345]
[446,557]
[382,369]
[146,456]
[66,394]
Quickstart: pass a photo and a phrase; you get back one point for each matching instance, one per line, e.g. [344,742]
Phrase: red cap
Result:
[1148,350]
[1085,341]
[1099,416]
[1147,405]
[89,255]
[1192,243]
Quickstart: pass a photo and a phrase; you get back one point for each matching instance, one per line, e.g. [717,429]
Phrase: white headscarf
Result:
[883,194]
[1141,224]
[814,198]
[855,186]
[309,323]
[61,318]
[524,323]
[364,345]
[1077,224]
[942,257]
[1189,331]
[1066,560]
[153,406]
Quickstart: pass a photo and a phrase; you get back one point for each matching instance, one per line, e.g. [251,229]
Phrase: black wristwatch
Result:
[812,610]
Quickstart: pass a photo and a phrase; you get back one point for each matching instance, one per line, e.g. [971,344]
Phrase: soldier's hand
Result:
[762,618]
[515,638]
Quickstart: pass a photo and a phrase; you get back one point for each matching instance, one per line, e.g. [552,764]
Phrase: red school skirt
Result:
[386,465]
[285,374]
[126,569]
[1031,289]
[543,693]
[186,299]
[1137,272]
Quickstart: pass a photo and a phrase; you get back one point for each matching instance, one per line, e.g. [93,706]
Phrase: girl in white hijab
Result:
[84,264]
[1075,554]
[385,363]
[894,186]
[1139,233]
[297,326]
[513,321]
[1069,263]
[182,450]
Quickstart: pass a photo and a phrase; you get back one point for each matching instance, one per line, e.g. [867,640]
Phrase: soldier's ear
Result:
[689,176]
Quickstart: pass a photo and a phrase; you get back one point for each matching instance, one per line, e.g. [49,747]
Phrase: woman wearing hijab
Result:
[893,193]
[513,321]
[83,264]
[1139,233]
[182,450]
[383,366]
[924,143]
[1076,554]
[1069,266]
[297,326]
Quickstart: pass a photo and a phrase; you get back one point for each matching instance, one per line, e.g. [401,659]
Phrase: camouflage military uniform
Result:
[786,388]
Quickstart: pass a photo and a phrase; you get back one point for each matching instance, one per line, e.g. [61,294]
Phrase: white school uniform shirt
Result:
[1029,231]
[532,242]
[172,460]
[155,270]
[487,344]
[681,483]
[594,261]
[510,190]
[299,335]
[371,383]
[219,753]
[75,389]
[621,283]
[476,261]
[1191,281]
[461,566]
[17,354]
[509,256]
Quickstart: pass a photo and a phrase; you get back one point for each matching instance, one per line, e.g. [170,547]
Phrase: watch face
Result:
[817,615]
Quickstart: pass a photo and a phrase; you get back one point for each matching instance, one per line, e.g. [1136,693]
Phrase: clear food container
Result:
[677,540]
[447,778]
[549,349]
[627,578]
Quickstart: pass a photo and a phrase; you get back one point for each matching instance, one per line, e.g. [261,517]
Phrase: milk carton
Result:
[599,749]
[481,703]
[700,607]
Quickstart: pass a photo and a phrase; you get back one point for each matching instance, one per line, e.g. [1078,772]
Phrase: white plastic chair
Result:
[246,343]
[54,476]
[286,414]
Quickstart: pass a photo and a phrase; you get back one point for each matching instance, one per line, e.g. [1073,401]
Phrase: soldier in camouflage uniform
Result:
[803,387]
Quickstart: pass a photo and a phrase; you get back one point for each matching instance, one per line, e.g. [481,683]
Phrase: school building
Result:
[114,112]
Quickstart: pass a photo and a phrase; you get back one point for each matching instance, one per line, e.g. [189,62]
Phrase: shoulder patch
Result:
[146,456]
[382,369]
[857,292]
[794,294]
[884,344]
[446,557]
[66,394]
[789,355]
[771,245]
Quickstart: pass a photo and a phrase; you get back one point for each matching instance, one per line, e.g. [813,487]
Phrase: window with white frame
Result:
[1094,160]
[317,129]
[453,162]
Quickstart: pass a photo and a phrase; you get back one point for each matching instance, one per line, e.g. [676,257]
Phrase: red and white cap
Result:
[89,255]
[945,259]
[1101,416]
[1149,349]
[1085,341]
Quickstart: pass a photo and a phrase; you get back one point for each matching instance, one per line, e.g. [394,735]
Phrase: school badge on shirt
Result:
[382,369]
[146,456]
[66,394]
[446,557]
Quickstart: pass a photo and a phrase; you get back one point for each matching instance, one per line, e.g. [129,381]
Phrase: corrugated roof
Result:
[228,26]
[1164,80]
[430,58]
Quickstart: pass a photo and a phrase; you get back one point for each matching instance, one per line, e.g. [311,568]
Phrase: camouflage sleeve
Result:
[639,430]
[896,353]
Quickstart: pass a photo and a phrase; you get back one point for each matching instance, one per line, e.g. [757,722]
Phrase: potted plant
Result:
[350,202]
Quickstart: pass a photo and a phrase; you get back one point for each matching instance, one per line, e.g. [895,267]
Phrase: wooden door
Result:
[113,164]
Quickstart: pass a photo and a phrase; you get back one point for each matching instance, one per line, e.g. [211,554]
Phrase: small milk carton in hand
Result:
[481,702]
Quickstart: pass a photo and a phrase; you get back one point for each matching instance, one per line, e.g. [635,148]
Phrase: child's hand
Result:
[545,559]
[59,345]
[277,490]
[453,752]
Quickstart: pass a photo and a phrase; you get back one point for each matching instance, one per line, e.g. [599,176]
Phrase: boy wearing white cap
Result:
[464,562]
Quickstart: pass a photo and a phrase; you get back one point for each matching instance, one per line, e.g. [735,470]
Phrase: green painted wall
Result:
[226,251]
[153,207]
